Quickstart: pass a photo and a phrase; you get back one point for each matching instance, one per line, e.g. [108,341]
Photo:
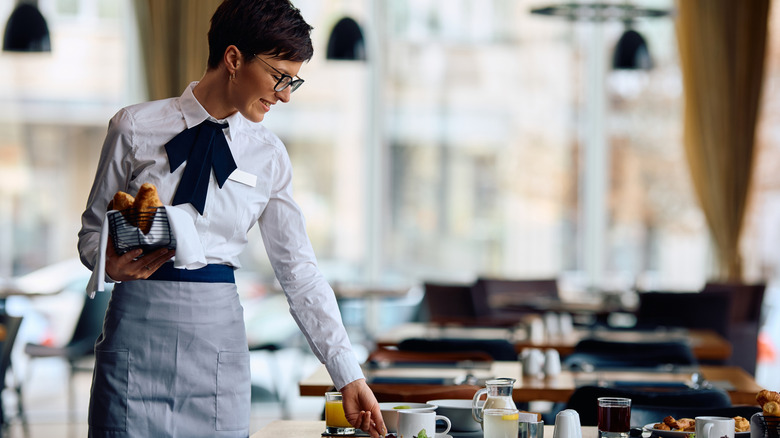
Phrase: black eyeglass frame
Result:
[285,80]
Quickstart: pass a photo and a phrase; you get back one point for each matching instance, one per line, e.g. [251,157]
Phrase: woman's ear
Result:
[232,59]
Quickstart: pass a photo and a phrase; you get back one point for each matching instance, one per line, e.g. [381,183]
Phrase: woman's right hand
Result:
[126,267]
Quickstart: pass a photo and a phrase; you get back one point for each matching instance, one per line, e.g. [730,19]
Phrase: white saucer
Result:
[442,435]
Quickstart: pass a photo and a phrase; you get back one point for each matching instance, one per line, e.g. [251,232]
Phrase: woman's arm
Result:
[114,172]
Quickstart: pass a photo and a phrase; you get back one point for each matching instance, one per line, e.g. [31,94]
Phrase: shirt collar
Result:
[194,113]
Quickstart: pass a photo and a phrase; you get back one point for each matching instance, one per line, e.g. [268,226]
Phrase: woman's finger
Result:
[148,264]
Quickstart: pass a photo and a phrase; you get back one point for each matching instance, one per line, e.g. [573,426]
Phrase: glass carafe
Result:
[499,395]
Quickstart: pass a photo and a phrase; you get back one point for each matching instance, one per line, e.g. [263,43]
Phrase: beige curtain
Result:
[721,44]
[173,42]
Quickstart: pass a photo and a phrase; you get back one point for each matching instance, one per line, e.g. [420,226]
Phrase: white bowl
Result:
[390,412]
[459,413]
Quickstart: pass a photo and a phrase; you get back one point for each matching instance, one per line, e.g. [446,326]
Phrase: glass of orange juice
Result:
[335,421]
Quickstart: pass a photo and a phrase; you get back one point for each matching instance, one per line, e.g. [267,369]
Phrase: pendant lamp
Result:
[346,41]
[26,30]
[631,51]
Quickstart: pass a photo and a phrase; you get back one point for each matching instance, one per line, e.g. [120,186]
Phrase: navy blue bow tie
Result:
[203,147]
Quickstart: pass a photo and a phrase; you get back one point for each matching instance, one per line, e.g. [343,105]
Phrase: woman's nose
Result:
[284,95]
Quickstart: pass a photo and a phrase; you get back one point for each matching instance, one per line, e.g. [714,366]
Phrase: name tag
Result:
[244,177]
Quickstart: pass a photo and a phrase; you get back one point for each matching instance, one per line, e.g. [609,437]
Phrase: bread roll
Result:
[741,424]
[145,206]
[123,202]
[765,396]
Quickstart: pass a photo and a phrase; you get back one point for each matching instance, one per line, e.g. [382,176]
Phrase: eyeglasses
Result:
[284,79]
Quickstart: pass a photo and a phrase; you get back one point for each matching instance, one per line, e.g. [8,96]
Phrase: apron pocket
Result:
[233,391]
[108,403]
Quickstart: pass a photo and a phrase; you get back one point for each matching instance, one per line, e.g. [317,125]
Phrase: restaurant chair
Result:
[501,297]
[81,345]
[694,310]
[744,320]
[11,326]
[448,303]
[384,356]
[498,349]
[584,401]
[597,353]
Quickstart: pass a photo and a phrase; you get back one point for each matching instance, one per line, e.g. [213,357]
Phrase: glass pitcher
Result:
[499,395]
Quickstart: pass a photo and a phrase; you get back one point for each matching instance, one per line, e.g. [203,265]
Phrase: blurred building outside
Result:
[455,151]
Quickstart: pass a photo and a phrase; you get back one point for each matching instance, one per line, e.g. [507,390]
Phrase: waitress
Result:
[173,360]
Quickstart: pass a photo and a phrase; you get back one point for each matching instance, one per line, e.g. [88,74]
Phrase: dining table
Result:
[403,382]
[314,429]
[706,345]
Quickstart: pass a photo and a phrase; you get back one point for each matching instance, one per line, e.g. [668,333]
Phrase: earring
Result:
[232,76]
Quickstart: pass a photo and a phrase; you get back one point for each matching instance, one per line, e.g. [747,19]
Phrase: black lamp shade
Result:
[631,52]
[26,31]
[346,41]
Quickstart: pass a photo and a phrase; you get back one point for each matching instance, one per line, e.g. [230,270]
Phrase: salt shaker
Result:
[567,424]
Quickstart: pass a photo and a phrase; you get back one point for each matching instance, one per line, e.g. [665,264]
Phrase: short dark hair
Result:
[272,27]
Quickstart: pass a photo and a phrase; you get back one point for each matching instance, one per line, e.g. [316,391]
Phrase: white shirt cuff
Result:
[344,369]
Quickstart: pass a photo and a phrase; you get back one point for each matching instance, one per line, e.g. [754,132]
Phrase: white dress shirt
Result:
[260,191]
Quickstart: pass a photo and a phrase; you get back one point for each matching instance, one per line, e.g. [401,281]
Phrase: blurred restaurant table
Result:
[706,345]
[405,382]
[304,429]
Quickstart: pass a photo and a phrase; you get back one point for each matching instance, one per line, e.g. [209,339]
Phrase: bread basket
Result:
[127,236]
[764,426]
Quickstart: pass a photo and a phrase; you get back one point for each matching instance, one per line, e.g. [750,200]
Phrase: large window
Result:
[54,109]
[483,120]
[459,149]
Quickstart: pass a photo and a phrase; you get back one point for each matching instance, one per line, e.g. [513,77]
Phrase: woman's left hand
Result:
[128,266]
[362,409]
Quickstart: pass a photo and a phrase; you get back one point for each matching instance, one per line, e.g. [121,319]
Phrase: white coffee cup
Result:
[552,362]
[714,427]
[411,423]
[552,324]
[536,332]
[533,361]
[567,324]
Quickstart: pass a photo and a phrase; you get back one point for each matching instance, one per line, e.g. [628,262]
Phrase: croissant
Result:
[771,409]
[741,424]
[145,206]
[686,424]
[121,201]
[765,396]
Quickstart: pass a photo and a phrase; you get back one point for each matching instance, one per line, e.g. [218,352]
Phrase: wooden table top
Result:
[706,344]
[313,429]
[740,385]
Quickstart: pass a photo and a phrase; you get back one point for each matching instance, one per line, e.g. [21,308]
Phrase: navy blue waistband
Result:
[206,274]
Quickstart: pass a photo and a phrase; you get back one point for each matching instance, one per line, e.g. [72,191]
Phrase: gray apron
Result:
[172,361]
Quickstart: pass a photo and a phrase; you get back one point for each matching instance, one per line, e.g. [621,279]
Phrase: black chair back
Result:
[446,303]
[607,354]
[89,325]
[498,349]
[496,295]
[685,309]
[11,325]
[745,320]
